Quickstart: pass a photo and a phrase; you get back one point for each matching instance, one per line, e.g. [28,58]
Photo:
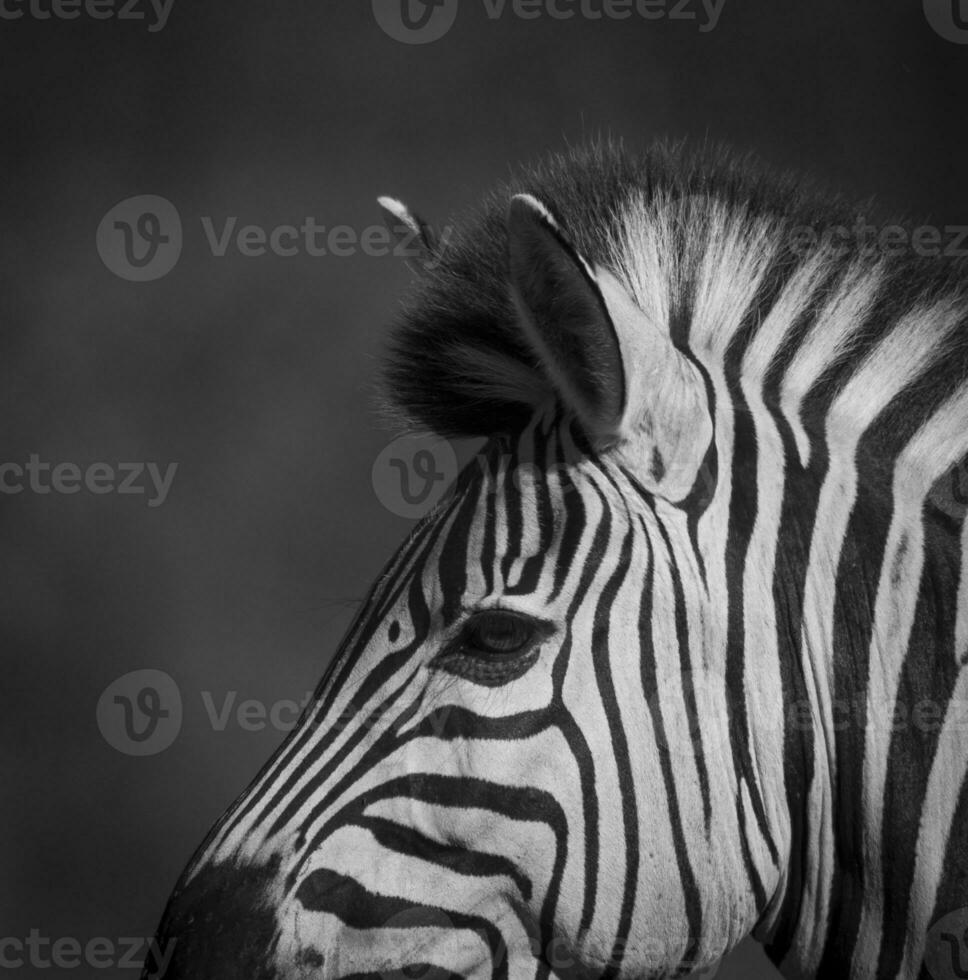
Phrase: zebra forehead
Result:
[542,473]
[704,240]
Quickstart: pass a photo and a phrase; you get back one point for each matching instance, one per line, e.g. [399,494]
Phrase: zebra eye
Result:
[497,632]
[494,647]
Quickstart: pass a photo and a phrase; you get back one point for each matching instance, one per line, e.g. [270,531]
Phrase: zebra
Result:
[680,657]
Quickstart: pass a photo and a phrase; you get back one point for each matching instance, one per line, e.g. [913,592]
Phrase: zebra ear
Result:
[565,318]
[609,363]
[415,238]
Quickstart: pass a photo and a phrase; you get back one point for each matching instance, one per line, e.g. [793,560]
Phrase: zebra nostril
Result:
[312,959]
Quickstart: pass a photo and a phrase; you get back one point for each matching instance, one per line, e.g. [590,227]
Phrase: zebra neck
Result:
[871,613]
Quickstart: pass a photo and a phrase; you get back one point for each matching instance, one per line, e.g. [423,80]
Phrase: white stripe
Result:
[961,626]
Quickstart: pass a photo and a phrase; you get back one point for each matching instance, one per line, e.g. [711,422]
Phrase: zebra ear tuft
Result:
[415,238]
[614,368]
[565,319]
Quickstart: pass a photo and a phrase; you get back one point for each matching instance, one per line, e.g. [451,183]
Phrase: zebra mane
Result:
[709,243]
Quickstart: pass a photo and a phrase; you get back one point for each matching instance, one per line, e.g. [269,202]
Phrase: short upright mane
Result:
[707,242]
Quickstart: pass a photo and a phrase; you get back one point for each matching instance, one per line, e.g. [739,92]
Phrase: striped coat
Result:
[681,657]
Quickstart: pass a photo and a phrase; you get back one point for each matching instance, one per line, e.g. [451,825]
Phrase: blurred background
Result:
[254,372]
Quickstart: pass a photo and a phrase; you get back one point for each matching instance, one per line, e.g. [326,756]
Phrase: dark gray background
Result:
[255,374]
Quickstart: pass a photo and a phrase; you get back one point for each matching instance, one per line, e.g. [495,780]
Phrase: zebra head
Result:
[553,741]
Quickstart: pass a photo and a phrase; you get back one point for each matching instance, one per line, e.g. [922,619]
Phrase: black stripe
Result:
[458,858]
[347,900]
